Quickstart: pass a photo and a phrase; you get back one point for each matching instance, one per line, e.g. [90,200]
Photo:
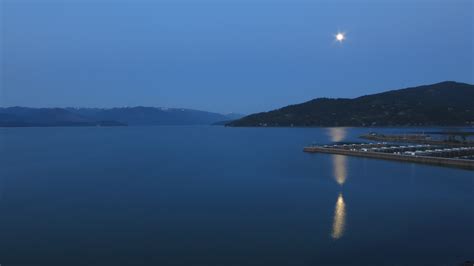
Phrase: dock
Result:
[458,156]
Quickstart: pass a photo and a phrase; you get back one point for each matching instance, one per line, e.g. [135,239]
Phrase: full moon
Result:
[340,37]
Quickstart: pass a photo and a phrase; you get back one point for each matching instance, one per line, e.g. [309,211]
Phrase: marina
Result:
[448,138]
[442,155]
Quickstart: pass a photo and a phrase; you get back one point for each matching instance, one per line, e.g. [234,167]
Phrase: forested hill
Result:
[442,104]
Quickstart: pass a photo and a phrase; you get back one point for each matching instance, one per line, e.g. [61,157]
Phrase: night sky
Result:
[226,55]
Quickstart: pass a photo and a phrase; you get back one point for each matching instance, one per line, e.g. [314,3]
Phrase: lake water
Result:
[222,196]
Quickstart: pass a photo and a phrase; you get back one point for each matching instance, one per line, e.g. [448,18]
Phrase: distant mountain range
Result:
[442,104]
[25,117]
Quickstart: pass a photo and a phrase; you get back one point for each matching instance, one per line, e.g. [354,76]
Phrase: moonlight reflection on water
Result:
[339,223]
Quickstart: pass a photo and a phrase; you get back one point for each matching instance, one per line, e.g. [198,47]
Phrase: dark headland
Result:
[443,104]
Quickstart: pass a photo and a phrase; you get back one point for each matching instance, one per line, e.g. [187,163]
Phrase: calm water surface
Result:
[222,196]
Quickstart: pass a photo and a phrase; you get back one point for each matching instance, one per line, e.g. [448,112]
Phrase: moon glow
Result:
[340,37]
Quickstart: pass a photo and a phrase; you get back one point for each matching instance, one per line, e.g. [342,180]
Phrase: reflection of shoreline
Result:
[339,223]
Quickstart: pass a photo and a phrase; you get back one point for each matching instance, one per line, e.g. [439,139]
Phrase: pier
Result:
[459,156]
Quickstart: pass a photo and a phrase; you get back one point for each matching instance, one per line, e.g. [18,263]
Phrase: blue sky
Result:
[226,55]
